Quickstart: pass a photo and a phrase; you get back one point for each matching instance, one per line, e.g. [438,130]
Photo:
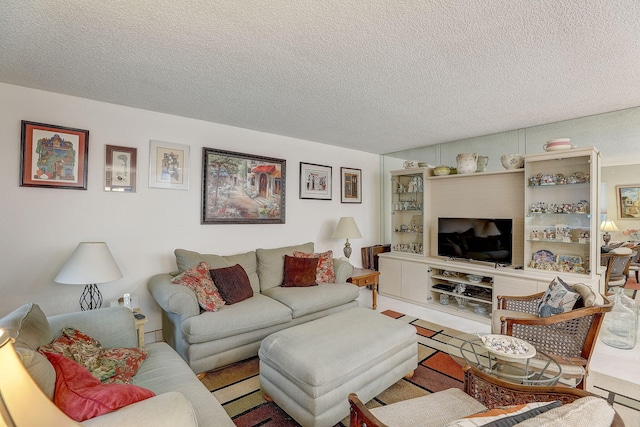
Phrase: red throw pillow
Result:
[199,281]
[325,272]
[81,396]
[299,272]
[232,283]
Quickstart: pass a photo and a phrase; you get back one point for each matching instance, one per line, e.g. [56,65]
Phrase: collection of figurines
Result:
[413,248]
[565,267]
[565,234]
[411,228]
[408,205]
[415,185]
[558,179]
[541,207]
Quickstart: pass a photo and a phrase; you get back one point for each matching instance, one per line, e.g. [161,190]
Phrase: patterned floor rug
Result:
[237,386]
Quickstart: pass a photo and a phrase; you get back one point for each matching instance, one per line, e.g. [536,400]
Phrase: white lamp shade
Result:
[608,225]
[90,263]
[490,229]
[22,403]
[347,229]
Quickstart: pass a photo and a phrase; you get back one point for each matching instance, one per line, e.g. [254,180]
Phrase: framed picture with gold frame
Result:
[168,165]
[120,169]
[628,198]
[53,156]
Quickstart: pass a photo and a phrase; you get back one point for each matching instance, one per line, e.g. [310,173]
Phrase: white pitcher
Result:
[483,161]
[467,162]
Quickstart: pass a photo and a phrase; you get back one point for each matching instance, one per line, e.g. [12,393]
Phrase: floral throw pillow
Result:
[199,281]
[109,365]
[325,272]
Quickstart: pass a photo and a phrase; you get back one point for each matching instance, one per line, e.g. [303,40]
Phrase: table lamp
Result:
[91,263]
[490,229]
[606,226]
[22,403]
[347,229]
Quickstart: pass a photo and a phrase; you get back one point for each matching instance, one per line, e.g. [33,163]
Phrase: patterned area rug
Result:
[237,386]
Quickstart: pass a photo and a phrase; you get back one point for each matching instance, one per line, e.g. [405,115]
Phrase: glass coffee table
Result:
[526,365]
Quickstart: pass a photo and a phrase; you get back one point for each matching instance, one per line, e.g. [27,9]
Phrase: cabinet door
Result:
[510,286]
[414,281]
[390,280]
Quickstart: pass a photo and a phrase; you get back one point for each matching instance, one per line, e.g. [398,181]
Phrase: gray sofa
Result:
[181,399]
[208,340]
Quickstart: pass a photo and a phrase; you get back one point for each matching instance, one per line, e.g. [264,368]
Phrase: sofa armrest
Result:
[173,298]
[167,409]
[112,326]
[343,270]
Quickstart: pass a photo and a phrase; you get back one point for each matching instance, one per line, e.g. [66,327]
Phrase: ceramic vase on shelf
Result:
[467,162]
[482,163]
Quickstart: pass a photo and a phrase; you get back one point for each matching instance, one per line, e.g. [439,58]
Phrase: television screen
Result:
[478,239]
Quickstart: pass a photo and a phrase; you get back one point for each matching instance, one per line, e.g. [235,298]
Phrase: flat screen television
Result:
[477,239]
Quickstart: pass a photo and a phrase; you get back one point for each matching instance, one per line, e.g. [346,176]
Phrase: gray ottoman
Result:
[310,369]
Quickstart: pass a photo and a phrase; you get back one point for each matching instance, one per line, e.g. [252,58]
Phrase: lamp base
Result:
[347,249]
[606,237]
[91,298]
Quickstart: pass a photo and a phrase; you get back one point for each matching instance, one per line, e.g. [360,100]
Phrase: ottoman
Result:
[310,369]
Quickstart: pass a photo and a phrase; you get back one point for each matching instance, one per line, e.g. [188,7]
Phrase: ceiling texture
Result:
[371,75]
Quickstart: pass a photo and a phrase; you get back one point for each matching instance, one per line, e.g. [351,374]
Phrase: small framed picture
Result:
[628,201]
[120,169]
[53,156]
[350,185]
[315,181]
[168,165]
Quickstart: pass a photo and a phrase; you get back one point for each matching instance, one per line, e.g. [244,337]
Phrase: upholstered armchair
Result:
[481,392]
[571,335]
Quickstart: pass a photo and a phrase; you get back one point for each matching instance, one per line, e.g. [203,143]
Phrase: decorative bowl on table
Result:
[506,346]
[512,161]
[474,278]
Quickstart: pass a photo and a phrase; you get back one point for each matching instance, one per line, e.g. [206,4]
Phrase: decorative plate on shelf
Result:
[569,259]
[474,278]
[544,255]
[507,346]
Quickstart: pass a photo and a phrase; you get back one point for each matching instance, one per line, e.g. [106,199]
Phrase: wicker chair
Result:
[617,268]
[571,335]
[485,389]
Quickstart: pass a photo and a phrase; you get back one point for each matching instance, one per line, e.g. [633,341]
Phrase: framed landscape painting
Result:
[239,188]
[53,156]
[350,185]
[315,181]
[628,201]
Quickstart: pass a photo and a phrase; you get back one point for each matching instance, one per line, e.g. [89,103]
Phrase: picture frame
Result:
[168,165]
[53,156]
[350,185]
[315,181]
[628,200]
[240,188]
[120,166]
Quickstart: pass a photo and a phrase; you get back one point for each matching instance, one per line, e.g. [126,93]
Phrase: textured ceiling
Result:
[377,76]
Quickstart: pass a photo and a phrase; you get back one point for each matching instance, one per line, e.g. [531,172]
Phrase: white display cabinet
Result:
[408,231]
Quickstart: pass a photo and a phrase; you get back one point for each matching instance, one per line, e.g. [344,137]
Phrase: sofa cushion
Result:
[232,283]
[108,365]
[271,264]
[588,297]
[303,301]
[591,410]
[29,326]
[558,298]
[325,272]
[299,272]
[186,259]
[257,312]
[40,370]
[199,280]
[505,416]
[81,396]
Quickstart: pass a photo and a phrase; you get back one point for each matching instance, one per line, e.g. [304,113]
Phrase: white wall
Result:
[40,227]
